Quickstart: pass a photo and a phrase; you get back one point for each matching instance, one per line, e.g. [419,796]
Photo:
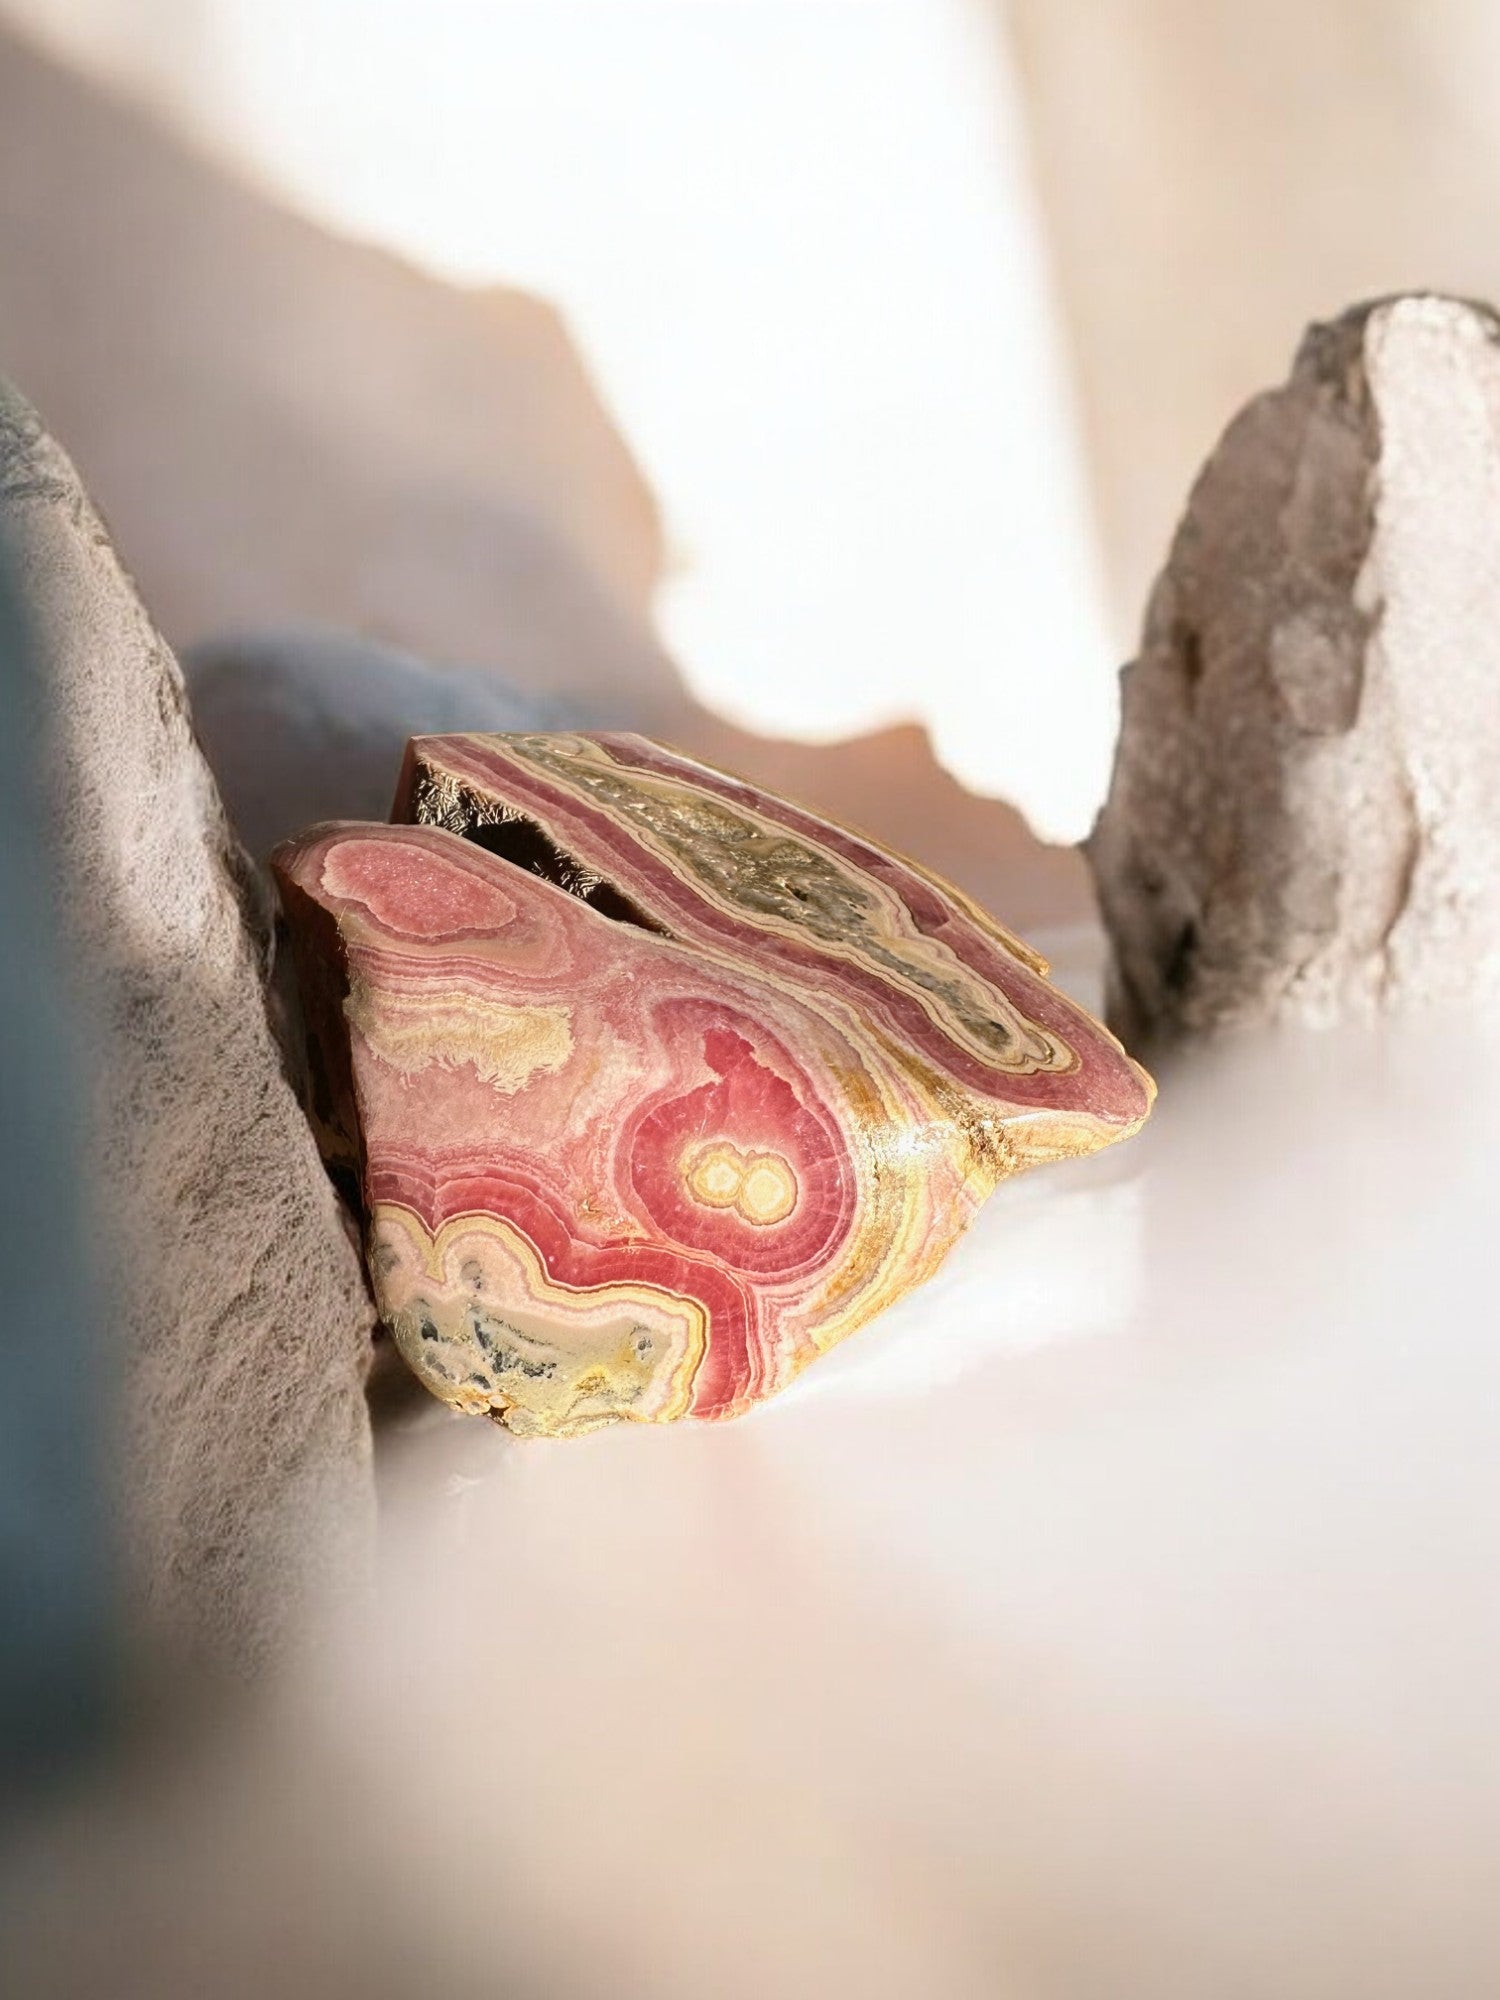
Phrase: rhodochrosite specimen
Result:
[657,1086]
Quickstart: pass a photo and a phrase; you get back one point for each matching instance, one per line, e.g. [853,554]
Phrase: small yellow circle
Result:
[761,1187]
[718,1180]
[769,1191]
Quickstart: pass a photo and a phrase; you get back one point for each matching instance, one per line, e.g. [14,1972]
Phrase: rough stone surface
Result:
[1304,820]
[239,1318]
[654,1085]
[305,724]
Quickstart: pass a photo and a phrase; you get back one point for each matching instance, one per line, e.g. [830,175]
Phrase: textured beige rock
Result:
[1304,819]
[241,1320]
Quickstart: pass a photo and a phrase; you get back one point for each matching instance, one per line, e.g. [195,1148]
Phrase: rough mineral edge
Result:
[242,1321]
[667,1086]
[1303,822]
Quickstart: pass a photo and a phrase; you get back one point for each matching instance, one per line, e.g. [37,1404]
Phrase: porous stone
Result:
[1303,820]
[655,1085]
[239,1322]
[303,723]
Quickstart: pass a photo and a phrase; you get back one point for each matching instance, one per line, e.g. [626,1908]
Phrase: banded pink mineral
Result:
[653,1086]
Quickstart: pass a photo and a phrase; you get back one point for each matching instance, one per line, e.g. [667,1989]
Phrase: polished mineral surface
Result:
[655,1086]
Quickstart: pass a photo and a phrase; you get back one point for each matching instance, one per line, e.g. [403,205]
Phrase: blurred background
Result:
[859,351]
[817,383]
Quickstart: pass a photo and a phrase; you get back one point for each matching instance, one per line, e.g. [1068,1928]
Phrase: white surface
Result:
[1116,1617]
[795,241]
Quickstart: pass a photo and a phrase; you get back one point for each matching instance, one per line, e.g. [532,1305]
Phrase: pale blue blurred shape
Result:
[57,1604]
[301,724]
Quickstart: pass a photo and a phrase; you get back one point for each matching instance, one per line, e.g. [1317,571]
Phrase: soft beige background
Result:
[918,315]
[1215,174]
[791,241]
[283,426]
